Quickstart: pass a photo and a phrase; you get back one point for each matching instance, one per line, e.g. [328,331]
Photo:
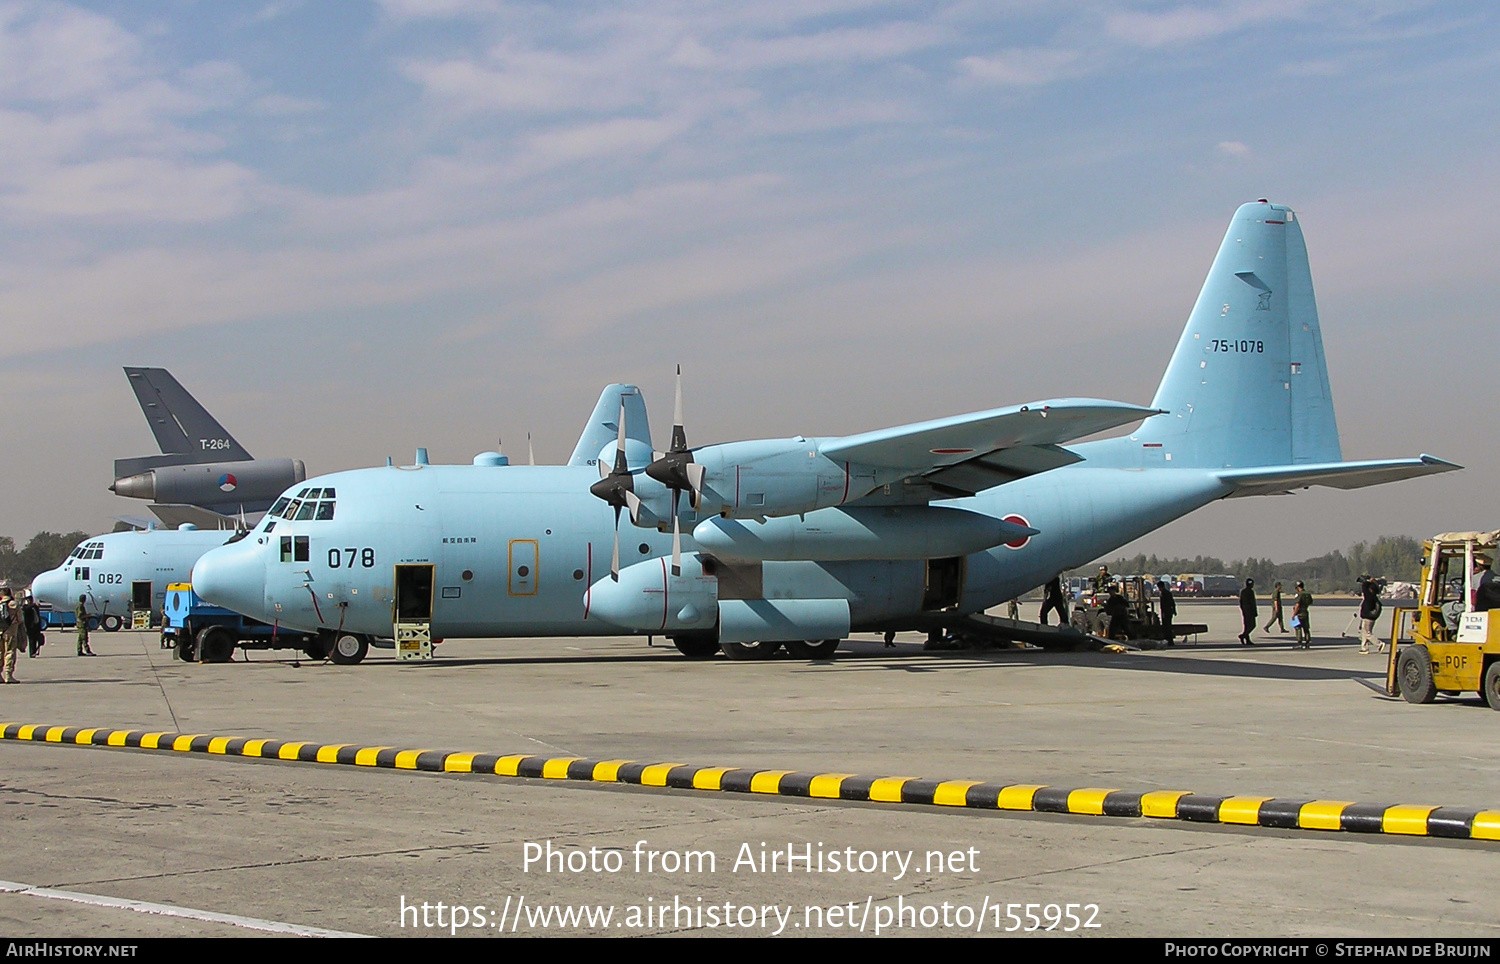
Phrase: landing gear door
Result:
[413,612]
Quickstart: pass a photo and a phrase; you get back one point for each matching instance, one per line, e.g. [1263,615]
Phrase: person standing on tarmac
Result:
[1248,611]
[32,617]
[1168,609]
[1300,607]
[1053,599]
[83,627]
[11,635]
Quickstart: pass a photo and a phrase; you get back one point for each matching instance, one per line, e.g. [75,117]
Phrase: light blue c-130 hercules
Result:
[772,541]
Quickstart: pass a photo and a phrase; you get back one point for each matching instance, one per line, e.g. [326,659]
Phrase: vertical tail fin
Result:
[603,427]
[1247,385]
[181,426]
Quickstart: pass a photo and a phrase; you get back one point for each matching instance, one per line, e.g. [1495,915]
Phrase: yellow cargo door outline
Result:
[523,554]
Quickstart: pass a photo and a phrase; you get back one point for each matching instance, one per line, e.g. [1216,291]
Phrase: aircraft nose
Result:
[52,588]
[232,576]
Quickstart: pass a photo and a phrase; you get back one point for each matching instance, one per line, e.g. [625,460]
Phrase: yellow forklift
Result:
[1452,648]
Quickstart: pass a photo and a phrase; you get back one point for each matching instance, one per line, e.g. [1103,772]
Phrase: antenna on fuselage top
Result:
[530,452]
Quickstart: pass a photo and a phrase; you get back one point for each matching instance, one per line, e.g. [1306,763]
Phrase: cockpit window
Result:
[291,510]
[281,503]
[302,494]
[325,511]
[328,493]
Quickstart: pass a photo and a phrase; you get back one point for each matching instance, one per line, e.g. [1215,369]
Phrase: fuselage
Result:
[108,570]
[513,549]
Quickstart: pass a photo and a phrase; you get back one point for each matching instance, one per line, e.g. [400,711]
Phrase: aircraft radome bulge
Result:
[187,527]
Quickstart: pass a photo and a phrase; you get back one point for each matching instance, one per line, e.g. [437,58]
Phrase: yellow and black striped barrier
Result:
[1451,822]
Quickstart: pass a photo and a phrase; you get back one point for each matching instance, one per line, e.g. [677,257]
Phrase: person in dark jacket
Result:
[1118,611]
[32,616]
[1053,599]
[1487,595]
[1248,611]
[1369,611]
[1168,609]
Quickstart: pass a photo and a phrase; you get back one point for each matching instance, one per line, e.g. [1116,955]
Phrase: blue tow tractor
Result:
[194,629]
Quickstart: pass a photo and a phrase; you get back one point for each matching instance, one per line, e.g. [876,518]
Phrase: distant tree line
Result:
[46,550]
[1396,558]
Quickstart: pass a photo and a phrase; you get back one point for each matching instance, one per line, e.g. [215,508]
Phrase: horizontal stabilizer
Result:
[944,442]
[1282,479]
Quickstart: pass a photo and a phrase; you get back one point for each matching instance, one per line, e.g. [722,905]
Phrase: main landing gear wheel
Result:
[111,623]
[1489,687]
[1414,675]
[216,645]
[750,650]
[696,645]
[349,649]
[813,649]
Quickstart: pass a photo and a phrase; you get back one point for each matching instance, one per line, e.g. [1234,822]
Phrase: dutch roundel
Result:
[1019,520]
[227,482]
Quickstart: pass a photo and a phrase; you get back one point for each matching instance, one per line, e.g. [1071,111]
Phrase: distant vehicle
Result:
[120,573]
[1208,584]
[750,546]
[203,475]
[194,629]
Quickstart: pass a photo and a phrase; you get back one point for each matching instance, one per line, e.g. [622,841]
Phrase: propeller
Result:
[676,470]
[618,489]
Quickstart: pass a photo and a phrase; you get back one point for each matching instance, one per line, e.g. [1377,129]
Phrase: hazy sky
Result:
[354,228]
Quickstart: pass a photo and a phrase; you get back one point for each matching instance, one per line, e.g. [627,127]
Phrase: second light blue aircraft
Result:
[747,546]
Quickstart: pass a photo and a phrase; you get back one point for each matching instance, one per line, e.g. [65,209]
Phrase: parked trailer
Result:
[195,629]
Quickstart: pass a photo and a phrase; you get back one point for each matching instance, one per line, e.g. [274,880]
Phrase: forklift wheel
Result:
[1489,687]
[1414,675]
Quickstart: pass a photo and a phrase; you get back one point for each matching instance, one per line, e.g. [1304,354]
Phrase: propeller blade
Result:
[676,538]
[696,474]
[614,562]
[679,431]
[634,502]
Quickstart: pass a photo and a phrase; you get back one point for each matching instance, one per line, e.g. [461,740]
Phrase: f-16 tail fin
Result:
[603,425]
[182,427]
[1247,385]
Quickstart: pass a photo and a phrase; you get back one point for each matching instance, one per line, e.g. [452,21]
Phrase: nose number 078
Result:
[346,558]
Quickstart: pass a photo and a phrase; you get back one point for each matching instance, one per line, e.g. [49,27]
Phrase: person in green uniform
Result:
[1276,615]
[1299,614]
[82,616]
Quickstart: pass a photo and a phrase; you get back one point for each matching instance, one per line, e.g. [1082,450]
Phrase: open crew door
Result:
[140,604]
[413,612]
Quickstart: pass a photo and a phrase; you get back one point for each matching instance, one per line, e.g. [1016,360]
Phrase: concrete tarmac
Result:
[231,846]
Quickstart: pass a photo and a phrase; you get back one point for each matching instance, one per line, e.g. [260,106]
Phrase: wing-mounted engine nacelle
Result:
[857,532]
[648,598]
[779,477]
[214,483]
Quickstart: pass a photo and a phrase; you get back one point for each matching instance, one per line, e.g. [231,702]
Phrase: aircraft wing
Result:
[174,514]
[1282,479]
[965,454]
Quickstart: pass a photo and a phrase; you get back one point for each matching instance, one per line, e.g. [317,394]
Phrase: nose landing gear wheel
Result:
[349,650]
